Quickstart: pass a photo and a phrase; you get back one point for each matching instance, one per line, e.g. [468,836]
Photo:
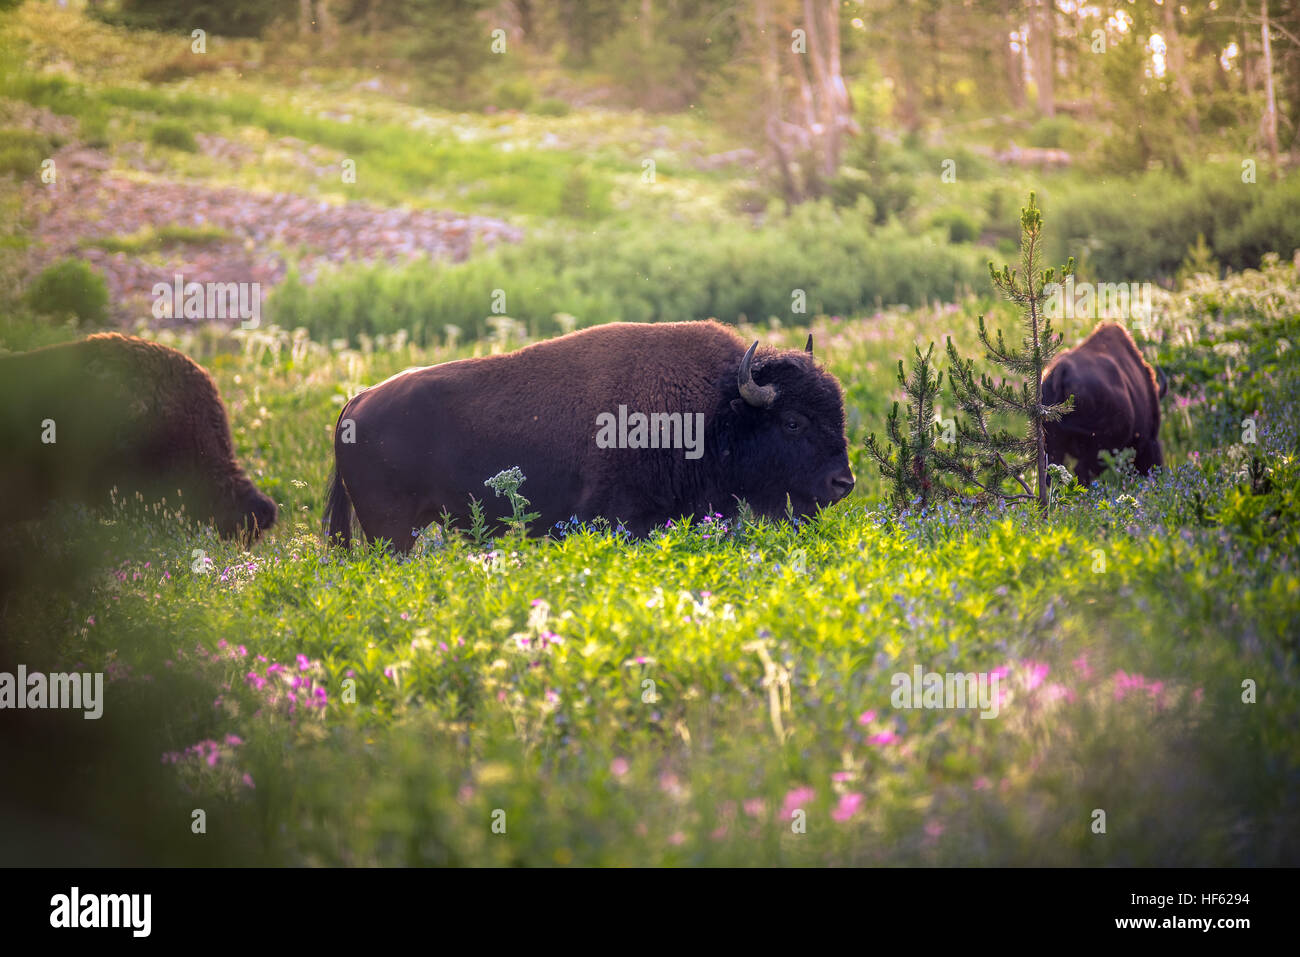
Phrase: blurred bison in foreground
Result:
[636,423]
[80,419]
[1116,403]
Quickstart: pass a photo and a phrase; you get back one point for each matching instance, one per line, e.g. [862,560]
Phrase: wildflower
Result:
[618,767]
[1081,665]
[795,799]
[848,806]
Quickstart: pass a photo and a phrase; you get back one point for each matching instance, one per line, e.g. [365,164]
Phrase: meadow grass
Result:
[695,697]
[692,697]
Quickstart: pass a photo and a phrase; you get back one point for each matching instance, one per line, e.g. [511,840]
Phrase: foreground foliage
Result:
[679,700]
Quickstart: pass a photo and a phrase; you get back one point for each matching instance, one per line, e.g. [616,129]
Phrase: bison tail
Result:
[338,513]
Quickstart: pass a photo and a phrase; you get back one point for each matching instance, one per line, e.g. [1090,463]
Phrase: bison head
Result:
[245,511]
[783,435]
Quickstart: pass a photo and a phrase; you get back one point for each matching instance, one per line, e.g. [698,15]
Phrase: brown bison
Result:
[79,419]
[636,423]
[1116,403]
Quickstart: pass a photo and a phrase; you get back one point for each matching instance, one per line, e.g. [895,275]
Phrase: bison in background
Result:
[770,426]
[1116,403]
[80,419]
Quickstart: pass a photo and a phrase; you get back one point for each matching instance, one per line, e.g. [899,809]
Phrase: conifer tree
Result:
[993,459]
[983,456]
[912,461]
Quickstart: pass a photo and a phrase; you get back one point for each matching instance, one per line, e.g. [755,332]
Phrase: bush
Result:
[684,271]
[581,197]
[181,66]
[231,18]
[24,151]
[23,160]
[70,288]
[515,94]
[1143,233]
[960,225]
[173,135]
[1056,132]
[550,106]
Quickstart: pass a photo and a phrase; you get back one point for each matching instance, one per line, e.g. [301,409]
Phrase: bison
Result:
[1116,403]
[636,423]
[82,418]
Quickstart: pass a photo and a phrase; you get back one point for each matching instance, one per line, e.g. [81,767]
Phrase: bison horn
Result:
[759,396]
[808,348]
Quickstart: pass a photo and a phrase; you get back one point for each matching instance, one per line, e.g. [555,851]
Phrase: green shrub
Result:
[514,94]
[70,288]
[231,18]
[1055,132]
[550,106]
[181,66]
[22,160]
[661,273]
[173,135]
[960,225]
[581,197]
[1142,233]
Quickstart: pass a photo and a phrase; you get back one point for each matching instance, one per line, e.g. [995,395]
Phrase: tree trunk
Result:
[1014,59]
[1044,54]
[325,24]
[769,66]
[823,95]
[1177,62]
[1270,103]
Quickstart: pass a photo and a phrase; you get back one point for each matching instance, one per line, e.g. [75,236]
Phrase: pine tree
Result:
[912,461]
[993,459]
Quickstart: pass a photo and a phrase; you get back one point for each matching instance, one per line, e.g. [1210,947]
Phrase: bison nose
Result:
[842,484]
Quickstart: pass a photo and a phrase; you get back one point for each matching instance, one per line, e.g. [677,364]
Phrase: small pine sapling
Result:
[911,460]
[993,459]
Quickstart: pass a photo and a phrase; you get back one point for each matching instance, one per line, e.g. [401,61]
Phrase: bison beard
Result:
[425,440]
[1116,403]
[128,414]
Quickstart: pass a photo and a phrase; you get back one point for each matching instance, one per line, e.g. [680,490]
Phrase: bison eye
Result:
[793,423]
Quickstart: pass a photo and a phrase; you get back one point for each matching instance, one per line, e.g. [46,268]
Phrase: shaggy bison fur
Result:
[425,440]
[81,419]
[1116,403]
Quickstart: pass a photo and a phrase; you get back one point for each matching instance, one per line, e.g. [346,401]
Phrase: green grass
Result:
[148,239]
[662,701]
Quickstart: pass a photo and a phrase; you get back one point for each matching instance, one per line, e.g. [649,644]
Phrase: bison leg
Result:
[400,533]
[1150,454]
[1089,466]
[385,516]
